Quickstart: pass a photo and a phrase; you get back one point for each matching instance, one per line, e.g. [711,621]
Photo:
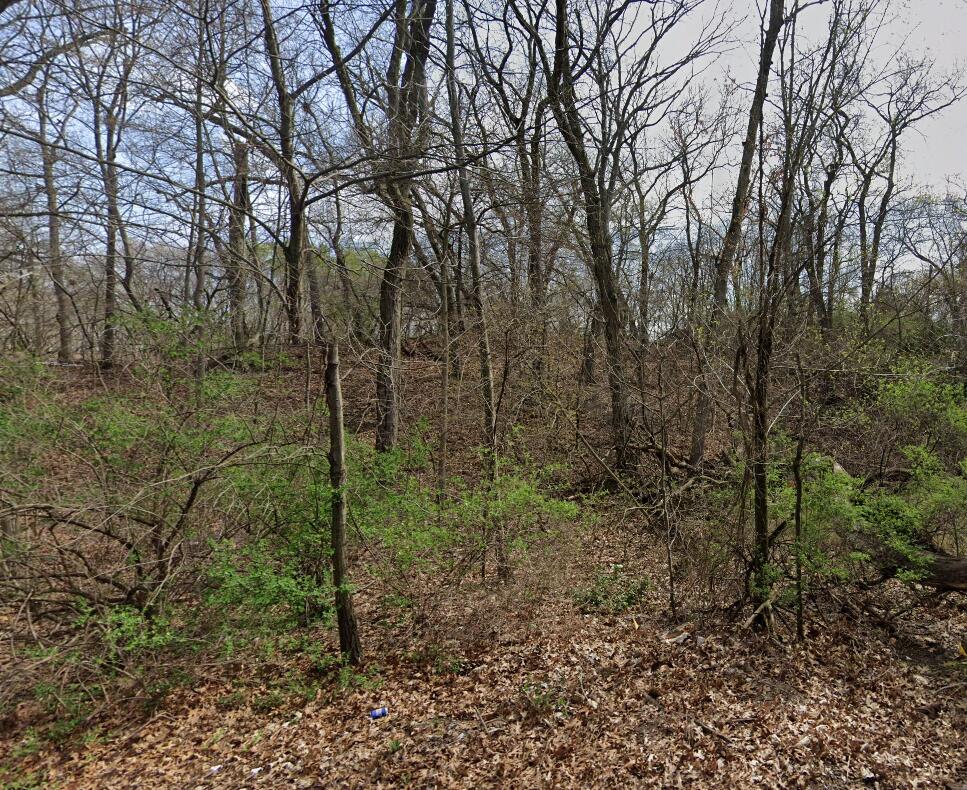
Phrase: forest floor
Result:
[544,696]
[514,686]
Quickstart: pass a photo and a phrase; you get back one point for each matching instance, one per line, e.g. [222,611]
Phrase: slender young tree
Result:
[473,242]
[349,643]
[55,259]
[740,204]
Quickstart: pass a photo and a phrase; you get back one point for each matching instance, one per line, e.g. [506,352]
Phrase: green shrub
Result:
[265,586]
[613,591]
[179,514]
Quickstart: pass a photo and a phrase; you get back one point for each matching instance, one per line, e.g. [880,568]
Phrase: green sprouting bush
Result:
[896,524]
[940,497]
[396,506]
[194,514]
[131,632]
[264,586]
[847,528]
[923,402]
[613,591]
[828,517]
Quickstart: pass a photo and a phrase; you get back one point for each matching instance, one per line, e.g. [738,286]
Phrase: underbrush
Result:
[159,522]
[159,528]
[835,528]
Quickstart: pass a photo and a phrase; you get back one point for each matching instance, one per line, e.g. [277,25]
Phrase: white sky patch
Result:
[936,150]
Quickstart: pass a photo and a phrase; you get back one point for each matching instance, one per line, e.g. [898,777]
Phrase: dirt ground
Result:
[548,697]
[514,687]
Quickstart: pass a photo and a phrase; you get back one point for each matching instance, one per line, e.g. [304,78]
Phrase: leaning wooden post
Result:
[348,632]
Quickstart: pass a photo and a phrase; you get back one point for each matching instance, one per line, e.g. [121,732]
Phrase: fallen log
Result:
[944,572]
[930,566]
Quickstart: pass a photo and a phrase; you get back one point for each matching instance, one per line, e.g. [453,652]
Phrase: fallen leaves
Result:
[592,706]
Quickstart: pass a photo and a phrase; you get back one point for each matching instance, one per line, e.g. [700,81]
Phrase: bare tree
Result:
[404,107]
[740,204]
[629,93]
[899,101]
[55,260]
[349,643]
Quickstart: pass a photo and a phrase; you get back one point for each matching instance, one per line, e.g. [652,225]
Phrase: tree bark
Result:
[294,247]
[388,363]
[564,103]
[740,202]
[473,243]
[349,643]
[733,236]
[55,261]
[237,247]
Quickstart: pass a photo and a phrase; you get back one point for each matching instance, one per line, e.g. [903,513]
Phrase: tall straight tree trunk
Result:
[315,301]
[349,644]
[870,248]
[445,303]
[740,201]
[55,260]
[406,100]
[814,232]
[644,277]
[733,235]
[832,283]
[109,175]
[776,284]
[406,97]
[198,292]
[564,102]
[237,247]
[294,248]
[537,279]
[613,331]
[108,337]
[473,245]
[123,249]
[591,333]
[388,364]
[293,254]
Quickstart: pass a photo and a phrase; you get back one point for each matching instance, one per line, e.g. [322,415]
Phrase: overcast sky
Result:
[937,27]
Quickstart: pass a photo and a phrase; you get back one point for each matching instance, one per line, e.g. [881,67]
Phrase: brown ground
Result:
[546,697]
[514,687]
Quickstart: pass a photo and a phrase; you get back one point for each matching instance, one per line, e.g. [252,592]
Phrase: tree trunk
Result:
[108,340]
[564,102]
[740,202]
[733,236]
[293,273]
[406,102]
[294,248]
[530,157]
[315,301]
[238,253]
[55,261]
[473,245]
[349,644]
[388,363]
[198,292]
[944,572]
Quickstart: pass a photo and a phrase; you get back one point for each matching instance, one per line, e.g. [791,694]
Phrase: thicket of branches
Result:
[539,198]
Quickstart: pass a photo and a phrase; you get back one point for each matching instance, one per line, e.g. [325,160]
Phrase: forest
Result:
[508,393]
